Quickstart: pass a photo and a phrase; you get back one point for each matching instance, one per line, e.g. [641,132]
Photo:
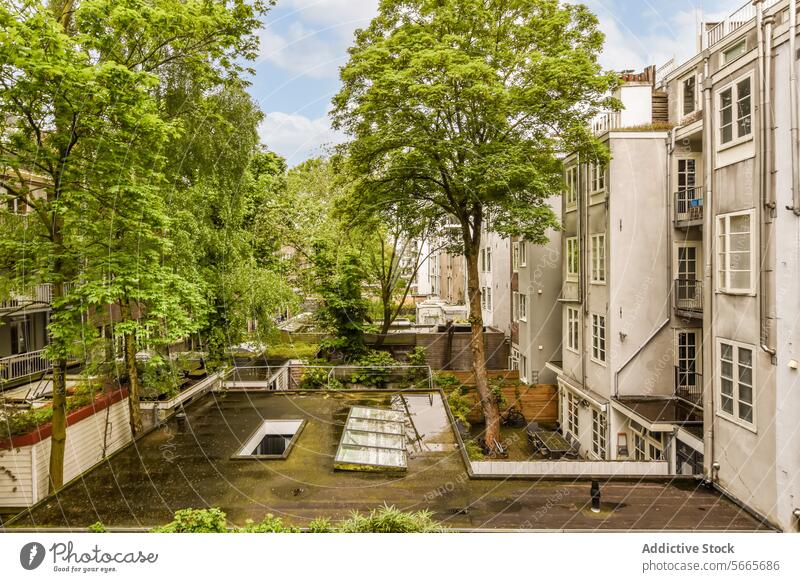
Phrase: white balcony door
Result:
[688,361]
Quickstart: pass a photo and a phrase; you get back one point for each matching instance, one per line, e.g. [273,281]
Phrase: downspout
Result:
[708,269]
[793,106]
[583,202]
[670,225]
[766,234]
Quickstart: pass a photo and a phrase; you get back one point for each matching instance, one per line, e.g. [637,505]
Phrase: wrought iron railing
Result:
[688,383]
[689,204]
[689,295]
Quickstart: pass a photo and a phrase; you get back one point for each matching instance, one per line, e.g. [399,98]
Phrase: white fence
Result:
[40,294]
[21,365]
[570,469]
[733,22]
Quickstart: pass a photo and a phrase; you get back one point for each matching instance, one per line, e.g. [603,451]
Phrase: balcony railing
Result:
[689,295]
[733,22]
[40,294]
[689,205]
[606,122]
[22,365]
[688,384]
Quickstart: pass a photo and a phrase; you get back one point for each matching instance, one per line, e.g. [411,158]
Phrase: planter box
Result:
[93,432]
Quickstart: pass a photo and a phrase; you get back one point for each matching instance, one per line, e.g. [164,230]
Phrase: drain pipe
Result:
[793,106]
[766,226]
[708,271]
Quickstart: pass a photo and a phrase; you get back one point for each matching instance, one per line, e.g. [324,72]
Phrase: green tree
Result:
[461,108]
[79,109]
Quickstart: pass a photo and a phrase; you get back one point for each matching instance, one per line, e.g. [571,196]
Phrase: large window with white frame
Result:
[572,258]
[573,329]
[689,94]
[735,240]
[571,194]
[572,414]
[736,377]
[599,338]
[597,178]
[522,309]
[599,258]
[599,426]
[735,111]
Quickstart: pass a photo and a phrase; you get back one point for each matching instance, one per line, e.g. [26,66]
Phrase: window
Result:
[513,359]
[523,254]
[647,446]
[735,249]
[599,434]
[515,256]
[572,414]
[486,298]
[598,338]
[734,52]
[735,114]
[689,87]
[515,306]
[573,258]
[571,194]
[523,367]
[573,329]
[598,258]
[523,307]
[273,439]
[736,381]
[486,260]
[597,178]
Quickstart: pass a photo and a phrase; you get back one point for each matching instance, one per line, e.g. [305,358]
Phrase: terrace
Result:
[190,461]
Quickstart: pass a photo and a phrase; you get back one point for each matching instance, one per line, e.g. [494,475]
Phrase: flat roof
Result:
[185,465]
[666,410]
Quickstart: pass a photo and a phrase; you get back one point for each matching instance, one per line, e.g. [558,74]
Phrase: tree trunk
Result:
[490,409]
[133,374]
[58,438]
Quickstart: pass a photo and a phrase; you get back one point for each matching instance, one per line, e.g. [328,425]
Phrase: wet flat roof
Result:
[663,410]
[189,465]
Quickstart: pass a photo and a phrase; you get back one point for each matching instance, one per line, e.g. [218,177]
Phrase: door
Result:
[687,364]
[688,291]
[687,186]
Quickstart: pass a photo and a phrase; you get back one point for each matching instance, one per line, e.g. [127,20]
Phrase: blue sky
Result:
[304,42]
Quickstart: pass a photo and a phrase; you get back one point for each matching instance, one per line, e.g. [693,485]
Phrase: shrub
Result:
[196,521]
[496,387]
[158,378]
[377,371]
[314,378]
[15,422]
[83,395]
[97,527]
[474,451]
[270,524]
[388,519]
[460,405]
[292,351]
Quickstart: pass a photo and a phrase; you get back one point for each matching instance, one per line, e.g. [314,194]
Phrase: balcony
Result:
[23,365]
[606,122]
[689,384]
[715,32]
[39,296]
[689,298]
[689,207]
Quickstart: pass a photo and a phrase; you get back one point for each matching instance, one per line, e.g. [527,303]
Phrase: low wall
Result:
[570,469]
[24,460]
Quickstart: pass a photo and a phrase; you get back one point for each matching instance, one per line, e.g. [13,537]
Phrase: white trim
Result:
[723,279]
[571,192]
[570,275]
[593,257]
[605,340]
[577,321]
[737,139]
[734,418]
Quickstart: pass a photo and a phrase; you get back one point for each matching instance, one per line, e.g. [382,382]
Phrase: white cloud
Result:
[296,137]
[353,13]
[302,51]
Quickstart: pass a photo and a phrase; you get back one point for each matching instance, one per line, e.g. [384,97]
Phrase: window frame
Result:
[597,260]
[599,434]
[723,254]
[736,381]
[723,54]
[736,138]
[571,192]
[515,257]
[568,258]
[573,416]
[597,351]
[573,329]
[523,254]
[597,179]
[683,81]
[522,309]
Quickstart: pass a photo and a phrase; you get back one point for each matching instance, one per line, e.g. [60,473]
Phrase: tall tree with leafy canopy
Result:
[462,108]
[78,107]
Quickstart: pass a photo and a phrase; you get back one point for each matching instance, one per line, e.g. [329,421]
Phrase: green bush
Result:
[390,520]
[270,524]
[84,394]
[97,527]
[292,351]
[474,451]
[15,422]
[158,377]
[315,378]
[460,405]
[377,371]
[496,387]
[196,521]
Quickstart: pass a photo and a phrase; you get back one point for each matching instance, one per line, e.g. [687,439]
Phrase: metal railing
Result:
[688,384]
[21,365]
[733,22]
[689,295]
[689,204]
[40,294]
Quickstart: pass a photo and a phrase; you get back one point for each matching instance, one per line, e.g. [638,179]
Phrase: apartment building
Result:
[734,165]
[616,390]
